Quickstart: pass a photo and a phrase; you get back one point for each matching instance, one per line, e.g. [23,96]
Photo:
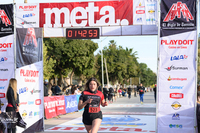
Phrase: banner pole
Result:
[197,25]
[14,20]
[158,46]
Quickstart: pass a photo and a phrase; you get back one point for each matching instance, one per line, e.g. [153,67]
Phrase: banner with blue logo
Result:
[177,67]
[71,103]
[29,75]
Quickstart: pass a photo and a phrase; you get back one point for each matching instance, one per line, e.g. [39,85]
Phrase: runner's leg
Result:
[88,128]
[95,125]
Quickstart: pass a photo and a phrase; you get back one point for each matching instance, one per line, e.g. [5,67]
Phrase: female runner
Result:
[90,100]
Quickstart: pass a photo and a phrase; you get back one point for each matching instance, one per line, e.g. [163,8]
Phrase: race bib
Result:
[93,109]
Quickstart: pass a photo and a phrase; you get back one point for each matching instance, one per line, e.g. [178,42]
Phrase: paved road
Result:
[124,116]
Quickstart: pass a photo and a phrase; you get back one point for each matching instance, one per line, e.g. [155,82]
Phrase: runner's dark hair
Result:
[88,82]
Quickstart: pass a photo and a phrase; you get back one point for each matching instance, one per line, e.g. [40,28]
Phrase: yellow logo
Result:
[176,105]
[151,11]
[169,79]
[24,114]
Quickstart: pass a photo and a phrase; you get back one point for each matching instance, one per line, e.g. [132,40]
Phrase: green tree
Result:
[75,56]
[121,63]
[48,64]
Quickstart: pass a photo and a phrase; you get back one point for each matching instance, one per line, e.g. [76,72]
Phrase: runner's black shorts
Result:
[89,117]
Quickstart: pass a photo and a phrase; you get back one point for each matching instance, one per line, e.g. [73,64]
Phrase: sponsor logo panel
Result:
[24,114]
[176,68]
[35,91]
[176,95]
[27,7]
[176,105]
[178,57]
[176,116]
[38,101]
[3,80]
[3,59]
[2,87]
[177,44]
[23,90]
[2,95]
[176,87]
[175,126]
[179,17]
[177,79]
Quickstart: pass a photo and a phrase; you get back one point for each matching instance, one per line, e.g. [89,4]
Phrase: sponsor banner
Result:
[151,12]
[29,46]
[112,123]
[100,13]
[6,20]
[54,106]
[60,105]
[6,66]
[71,103]
[174,44]
[7,47]
[178,15]
[50,107]
[177,67]
[27,15]
[139,12]
[30,90]
[144,12]
[178,120]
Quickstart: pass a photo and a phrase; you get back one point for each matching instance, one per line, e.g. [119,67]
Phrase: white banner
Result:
[30,90]
[6,66]
[27,15]
[144,12]
[177,83]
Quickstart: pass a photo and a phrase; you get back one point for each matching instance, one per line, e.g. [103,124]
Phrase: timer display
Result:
[82,33]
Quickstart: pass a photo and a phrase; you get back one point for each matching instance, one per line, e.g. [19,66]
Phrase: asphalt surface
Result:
[121,107]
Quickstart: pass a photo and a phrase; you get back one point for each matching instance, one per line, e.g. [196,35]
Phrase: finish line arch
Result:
[176,27]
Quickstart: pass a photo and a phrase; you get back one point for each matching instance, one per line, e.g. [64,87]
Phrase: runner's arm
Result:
[104,103]
[82,104]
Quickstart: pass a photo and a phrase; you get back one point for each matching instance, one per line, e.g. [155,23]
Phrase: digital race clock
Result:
[82,33]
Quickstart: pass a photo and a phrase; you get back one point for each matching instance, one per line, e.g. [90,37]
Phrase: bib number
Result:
[93,109]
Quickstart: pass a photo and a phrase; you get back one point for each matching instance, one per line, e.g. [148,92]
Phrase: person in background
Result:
[141,92]
[198,111]
[57,89]
[13,100]
[90,100]
[76,92]
[53,89]
[99,88]
[155,89]
[105,92]
[120,92]
[46,88]
[129,92]
[110,95]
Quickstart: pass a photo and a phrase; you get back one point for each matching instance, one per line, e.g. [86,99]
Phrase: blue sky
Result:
[146,46]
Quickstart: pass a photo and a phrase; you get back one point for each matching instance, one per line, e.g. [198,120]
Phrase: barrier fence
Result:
[58,105]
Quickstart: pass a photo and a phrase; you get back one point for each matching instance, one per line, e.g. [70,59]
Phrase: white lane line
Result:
[112,123]
[129,113]
[133,105]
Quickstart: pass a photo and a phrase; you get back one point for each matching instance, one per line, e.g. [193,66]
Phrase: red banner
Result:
[54,106]
[60,105]
[101,13]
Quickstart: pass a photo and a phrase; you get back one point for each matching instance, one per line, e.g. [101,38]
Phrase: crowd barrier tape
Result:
[58,105]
